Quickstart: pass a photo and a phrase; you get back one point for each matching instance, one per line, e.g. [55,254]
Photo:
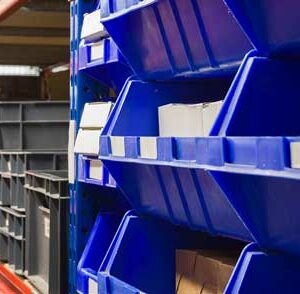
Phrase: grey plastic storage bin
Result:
[12,239]
[34,125]
[47,206]
[13,165]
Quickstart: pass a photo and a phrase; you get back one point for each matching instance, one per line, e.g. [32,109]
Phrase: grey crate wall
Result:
[34,125]
[12,239]
[12,172]
[47,206]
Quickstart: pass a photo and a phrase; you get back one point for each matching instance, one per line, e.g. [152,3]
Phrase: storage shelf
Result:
[241,182]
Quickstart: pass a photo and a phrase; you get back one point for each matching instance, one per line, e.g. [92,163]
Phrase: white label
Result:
[47,227]
[96,170]
[117,146]
[6,222]
[97,51]
[93,287]
[148,147]
[295,154]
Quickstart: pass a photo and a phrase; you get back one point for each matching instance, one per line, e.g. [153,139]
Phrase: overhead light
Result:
[60,68]
[20,70]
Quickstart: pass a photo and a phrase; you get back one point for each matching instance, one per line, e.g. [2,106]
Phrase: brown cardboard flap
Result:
[206,270]
[225,271]
[189,285]
[209,289]
[185,261]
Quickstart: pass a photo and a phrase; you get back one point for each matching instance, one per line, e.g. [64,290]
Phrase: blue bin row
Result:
[199,37]
[137,255]
[109,66]
[225,183]
[103,177]
[175,38]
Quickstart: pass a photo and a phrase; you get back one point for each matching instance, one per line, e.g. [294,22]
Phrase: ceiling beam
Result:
[8,7]
[33,55]
[41,19]
[42,41]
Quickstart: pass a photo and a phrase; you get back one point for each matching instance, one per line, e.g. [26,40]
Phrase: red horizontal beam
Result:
[7,7]
[18,284]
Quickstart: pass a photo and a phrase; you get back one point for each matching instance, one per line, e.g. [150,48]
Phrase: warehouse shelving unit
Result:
[240,182]
[88,196]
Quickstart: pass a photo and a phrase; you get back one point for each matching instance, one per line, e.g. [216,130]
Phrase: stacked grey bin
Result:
[47,205]
[33,136]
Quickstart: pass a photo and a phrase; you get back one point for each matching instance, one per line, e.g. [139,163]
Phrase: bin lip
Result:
[128,10]
[246,170]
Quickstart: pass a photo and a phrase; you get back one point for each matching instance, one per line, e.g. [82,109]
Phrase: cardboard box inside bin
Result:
[204,271]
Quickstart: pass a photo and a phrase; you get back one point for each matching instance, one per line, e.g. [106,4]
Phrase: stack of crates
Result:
[33,136]
[47,219]
[189,192]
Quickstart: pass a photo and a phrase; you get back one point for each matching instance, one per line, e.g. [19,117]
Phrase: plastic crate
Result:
[175,38]
[100,239]
[33,125]
[47,230]
[140,257]
[13,165]
[102,178]
[260,272]
[109,67]
[271,27]
[12,231]
[173,186]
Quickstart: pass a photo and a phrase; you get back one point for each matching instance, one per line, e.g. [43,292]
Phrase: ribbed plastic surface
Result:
[176,38]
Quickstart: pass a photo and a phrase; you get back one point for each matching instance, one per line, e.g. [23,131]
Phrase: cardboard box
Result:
[295,154]
[96,170]
[92,28]
[189,285]
[181,120]
[209,275]
[87,142]
[186,261]
[95,115]
[117,146]
[148,147]
[210,114]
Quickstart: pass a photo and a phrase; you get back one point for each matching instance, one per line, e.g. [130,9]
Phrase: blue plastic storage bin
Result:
[99,241]
[110,68]
[141,258]
[172,187]
[84,173]
[266,196]
[163,39]
[260,272]
[272,26]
